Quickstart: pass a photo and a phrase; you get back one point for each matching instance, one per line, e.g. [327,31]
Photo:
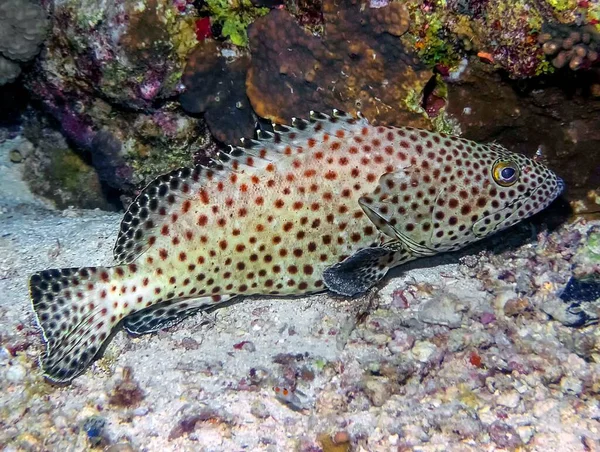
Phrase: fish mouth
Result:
[515,206]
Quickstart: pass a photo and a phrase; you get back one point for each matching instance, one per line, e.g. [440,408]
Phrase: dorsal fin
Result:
[160,198]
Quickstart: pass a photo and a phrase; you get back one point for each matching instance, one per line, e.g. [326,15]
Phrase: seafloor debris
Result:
[189,423]
[127,392]
[23,27]
[216,87]
[576,47]
[358,65]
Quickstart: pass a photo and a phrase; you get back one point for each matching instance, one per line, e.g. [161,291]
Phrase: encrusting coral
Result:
[23,28]
[358,65]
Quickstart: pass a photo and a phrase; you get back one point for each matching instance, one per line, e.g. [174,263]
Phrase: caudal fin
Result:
[77,308]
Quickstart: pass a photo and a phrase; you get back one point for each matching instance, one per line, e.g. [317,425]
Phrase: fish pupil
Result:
[508,173]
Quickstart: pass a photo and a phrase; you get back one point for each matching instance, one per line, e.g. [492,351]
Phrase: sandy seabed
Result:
[454,354]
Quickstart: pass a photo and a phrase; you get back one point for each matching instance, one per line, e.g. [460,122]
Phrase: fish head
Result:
[465,196]
[515,187]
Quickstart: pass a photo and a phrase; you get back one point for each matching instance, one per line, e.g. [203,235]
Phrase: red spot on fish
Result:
[185,208]
[204,197]
[163,254]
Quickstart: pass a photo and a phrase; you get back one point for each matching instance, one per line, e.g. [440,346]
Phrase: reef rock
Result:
[359,64]
[109,75]
[216,87]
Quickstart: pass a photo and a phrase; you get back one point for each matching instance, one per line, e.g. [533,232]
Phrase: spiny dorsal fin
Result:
[161,197]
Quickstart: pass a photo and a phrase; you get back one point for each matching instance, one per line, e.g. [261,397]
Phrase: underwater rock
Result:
[115,69]
[55,171]
[216,87]
[23,28]
[358,65]
[130,53]
[554,116]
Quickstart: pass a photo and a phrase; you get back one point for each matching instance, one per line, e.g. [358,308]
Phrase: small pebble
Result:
[259,410]
[189,343]
[16,373]
[377,390]
[401,342]
[571,385]
[509,399]
[141,411]
[16,156]
[120,447]
[60,422]
[525,432]
[423,351]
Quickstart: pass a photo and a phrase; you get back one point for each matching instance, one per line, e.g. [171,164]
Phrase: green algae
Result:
[235,17]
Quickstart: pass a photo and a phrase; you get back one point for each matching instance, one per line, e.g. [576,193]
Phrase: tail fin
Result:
[77,308]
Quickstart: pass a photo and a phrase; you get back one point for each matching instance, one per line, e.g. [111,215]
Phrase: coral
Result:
[9,71]
[131,53]
[508,33]
[308,13]
[23,27]
[234,16]
[359,65]
[108,76]
[216,87]
[576,47]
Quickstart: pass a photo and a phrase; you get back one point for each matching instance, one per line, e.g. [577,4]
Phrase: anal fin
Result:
[364,269]
[166,314]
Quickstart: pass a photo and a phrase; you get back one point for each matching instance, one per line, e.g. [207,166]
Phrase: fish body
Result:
[329,203]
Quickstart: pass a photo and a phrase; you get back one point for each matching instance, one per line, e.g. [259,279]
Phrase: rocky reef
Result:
[140,87]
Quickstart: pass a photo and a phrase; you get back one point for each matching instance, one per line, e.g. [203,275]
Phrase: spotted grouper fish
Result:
[329,203]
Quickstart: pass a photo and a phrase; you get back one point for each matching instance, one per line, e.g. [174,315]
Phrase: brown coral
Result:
[359,65]
[217,89]
[576,47]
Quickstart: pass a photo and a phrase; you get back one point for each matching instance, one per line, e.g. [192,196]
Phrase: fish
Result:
[330,202]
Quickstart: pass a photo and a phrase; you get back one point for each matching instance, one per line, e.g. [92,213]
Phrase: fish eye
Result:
[505,173]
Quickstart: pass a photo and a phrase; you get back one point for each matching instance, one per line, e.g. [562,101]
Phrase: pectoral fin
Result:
[364,269]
